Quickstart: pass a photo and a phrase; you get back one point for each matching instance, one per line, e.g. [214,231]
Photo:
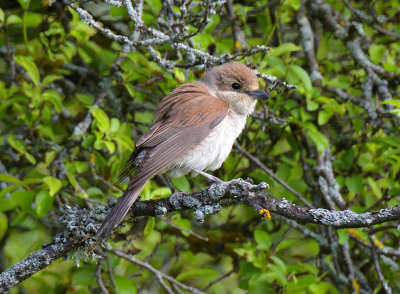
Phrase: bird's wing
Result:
[179,127]
[184,118]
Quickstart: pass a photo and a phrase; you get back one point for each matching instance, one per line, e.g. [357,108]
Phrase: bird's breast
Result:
[210,153]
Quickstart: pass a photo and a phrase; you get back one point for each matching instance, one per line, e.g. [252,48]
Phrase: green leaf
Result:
[279,262]
[280,276]
[311,104]
[13,19]
[302,283]
[81,166]
[396,111]
[23,199]
[50,156]
[144,116]
[347,158]
[179,75]
[118,11]
[248,268]
[154,5]
[197,273]
[303,76]
[16,144]
[43,203]
[88,141]
[9,179]
[124,143]
[54,184]
[284,48]
[54,97]
[260,284]
[354,183]
[6,204]
[145,193]
[125,285]
[323,288]
[282,146]
[319,140]
[115,125]
[181,184]
[50,78]
[263,239]
[376,52]
[20,147]
[2,17]
[324,116]
[277,64]
[323,48]
[30,68]
[343,236]
[375,187]
[295,4]
[30,158]
[390,66]
[46,131]
[85,98]
[94,191]
[9,189]
[394,102]
[149,226]
[160,192]
[102,118]
[84,276]
[389,140]
[3,225]
[24,3]
[131,91]
[184,224]
[110,146]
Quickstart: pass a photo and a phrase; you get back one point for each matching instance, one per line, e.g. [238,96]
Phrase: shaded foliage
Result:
[73,102]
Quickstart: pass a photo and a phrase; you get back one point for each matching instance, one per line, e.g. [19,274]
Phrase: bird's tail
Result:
[120,209]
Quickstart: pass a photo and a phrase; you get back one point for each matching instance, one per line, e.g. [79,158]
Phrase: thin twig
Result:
[227,274]
[111,274]
[159,274]
[184,229]
[377,266]
[99,278]
[272,175]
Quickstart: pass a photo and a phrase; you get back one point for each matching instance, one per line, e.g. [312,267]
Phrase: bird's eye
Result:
[235,86]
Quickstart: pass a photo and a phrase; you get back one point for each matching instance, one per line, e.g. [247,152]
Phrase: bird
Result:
[194,131]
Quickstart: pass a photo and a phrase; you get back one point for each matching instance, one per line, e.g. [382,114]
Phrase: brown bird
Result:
[196,125]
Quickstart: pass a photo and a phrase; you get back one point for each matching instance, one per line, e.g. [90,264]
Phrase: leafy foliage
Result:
[73,102]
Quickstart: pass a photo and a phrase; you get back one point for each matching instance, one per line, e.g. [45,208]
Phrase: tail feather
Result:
[120,209]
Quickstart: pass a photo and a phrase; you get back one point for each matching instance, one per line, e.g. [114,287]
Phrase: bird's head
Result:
[236,84]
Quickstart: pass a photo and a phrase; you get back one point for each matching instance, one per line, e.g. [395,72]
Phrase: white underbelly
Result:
[210,153]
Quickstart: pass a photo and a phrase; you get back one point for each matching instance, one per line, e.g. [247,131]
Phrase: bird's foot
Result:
[174,191]
[167,181]
[208,176]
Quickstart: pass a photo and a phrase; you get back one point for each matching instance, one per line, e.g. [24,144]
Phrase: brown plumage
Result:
[193,118]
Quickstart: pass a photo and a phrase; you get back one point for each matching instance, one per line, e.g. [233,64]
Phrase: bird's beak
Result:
[259,94]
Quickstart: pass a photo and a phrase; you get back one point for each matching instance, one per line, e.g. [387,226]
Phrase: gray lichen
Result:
[161,210]
[339,218]
[283,204]
[80,224]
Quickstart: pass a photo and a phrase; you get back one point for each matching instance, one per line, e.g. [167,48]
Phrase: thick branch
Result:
[33,263]
[81,224]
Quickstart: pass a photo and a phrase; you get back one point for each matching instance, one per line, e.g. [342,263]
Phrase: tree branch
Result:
[160,276]
[80,224]
[35,262]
